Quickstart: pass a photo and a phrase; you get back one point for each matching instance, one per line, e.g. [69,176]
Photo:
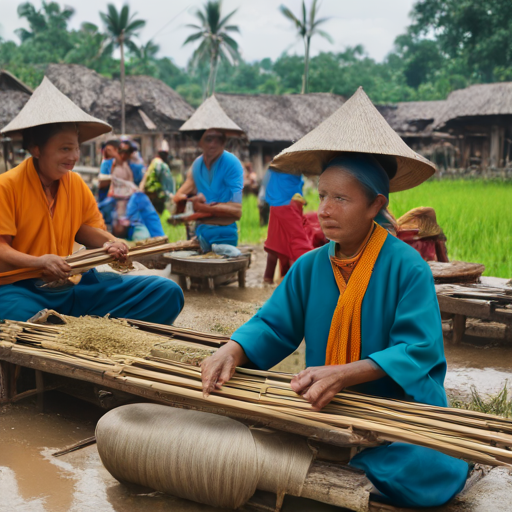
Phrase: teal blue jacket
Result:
[400,331]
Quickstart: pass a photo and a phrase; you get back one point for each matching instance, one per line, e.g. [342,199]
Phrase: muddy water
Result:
[486,368]
[32,480]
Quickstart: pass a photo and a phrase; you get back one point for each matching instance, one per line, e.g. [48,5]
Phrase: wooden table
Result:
[489,300]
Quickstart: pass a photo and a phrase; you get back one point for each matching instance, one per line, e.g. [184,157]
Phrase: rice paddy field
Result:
[476,216]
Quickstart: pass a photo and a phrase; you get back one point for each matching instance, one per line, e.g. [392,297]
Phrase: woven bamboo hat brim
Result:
[211,116]
[357,126]
[47,106]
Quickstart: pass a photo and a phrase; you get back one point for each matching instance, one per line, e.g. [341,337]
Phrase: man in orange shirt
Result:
[45,208]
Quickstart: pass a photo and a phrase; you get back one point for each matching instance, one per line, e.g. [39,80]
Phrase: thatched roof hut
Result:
[13,96]
[278,119]
[480,117]
[413,118]
[151,105]
[476,101]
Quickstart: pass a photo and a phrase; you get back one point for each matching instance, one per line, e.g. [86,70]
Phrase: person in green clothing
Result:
[158,182]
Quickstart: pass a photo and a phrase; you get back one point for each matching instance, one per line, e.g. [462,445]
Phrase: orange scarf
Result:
[344,343]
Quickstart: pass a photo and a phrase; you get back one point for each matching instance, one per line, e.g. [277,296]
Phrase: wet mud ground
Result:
[32,480]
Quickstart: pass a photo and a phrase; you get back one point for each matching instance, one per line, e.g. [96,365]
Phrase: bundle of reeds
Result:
[82,261]
[351,418]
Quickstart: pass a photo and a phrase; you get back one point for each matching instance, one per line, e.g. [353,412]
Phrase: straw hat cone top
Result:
[211,116]
[357,126]
[47,106]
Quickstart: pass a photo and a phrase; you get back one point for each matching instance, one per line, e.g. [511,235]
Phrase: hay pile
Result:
[107,336]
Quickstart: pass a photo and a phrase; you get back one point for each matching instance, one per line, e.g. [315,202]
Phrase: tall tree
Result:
[307,27]
[476,33]
[50,17]
[122,28]
[89,48]
[216,43]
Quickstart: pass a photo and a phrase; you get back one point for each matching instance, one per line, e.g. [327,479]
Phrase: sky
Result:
[265,32]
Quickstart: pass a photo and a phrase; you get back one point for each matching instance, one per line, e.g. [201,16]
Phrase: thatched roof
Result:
[151,105]
[413,118]
[477,100]
[13,96]
[271,118]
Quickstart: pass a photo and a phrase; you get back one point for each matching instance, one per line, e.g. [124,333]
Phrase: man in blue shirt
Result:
[216,179]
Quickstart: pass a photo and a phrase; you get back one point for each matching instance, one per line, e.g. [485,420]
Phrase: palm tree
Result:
[306,29]
[121,28]
[216,43]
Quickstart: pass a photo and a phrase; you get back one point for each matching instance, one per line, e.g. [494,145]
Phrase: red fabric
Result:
[313,229]
[431,248]
[286,232]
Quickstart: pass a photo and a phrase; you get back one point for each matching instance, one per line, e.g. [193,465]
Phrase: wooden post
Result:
[241,278]
[495,146]
[40,390]
[7,382]
[459,328]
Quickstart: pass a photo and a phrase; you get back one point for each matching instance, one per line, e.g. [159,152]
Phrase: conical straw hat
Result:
[48,105]
[357,126]
[211,116]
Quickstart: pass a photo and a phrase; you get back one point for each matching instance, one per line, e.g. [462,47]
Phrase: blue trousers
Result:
[412,476]
[209,234]
[149,298]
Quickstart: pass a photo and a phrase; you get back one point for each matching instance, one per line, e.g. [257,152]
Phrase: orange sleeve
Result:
[7,209]
[91,215]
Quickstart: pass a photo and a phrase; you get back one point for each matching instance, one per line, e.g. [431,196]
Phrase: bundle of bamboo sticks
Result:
[357,418]
[82,261]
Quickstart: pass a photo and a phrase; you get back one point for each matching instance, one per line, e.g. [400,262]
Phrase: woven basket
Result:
[456,271]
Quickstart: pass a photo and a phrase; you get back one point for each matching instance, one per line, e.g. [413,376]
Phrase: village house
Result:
[153,110]
[414,121]
[13,96]
[480,120]
[472,128]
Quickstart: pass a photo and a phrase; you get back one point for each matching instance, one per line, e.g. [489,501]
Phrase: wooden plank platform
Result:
[490,300]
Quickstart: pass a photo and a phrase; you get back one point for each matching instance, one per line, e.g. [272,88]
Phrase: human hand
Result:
[117,249]
[319,384]
[219,368]
[54,267]
[179,196]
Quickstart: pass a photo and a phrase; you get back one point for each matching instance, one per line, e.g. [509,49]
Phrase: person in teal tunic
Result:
[217,181]
[401,341]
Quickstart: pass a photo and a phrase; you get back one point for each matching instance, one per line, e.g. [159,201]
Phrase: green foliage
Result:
[499,405]
[307,26]
[449,45]
[121,27]
[476,33]
[216,44]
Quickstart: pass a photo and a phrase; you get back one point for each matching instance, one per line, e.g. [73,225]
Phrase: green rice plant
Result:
[475,216]
[174,233]
[250,231]
[499,404]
